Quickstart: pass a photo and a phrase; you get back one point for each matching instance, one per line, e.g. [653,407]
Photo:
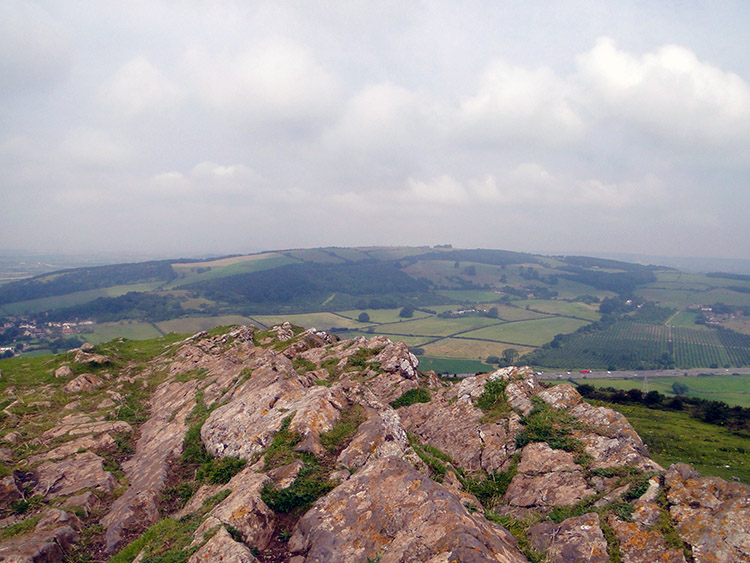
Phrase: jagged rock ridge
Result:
[283,445]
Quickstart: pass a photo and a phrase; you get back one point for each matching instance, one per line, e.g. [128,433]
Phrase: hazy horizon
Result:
[155,128]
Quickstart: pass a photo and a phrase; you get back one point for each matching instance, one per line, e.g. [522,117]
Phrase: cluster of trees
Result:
[712,412]
[82,279]
[149,307]
[510,357]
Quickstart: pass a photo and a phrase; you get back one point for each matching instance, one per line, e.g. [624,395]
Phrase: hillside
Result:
[461,310]
[290,445]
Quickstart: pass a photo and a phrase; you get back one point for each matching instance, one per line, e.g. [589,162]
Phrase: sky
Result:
[185,128]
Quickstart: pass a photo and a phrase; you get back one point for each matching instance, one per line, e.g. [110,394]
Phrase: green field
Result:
[567,308]
[191,325]
[380,316]
[471,295]
[189,273]
[468,349]
[732,389]
[321,321]
[104,332]
[632,345]
[435,326]
[528,333]
[71,299]
[447,365]
[674,437]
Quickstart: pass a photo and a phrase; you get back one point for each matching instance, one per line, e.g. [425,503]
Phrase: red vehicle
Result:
[585,371]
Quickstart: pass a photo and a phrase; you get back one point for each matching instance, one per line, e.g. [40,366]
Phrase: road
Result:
[557,374]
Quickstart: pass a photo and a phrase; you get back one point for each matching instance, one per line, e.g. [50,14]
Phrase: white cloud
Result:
[669,93]
[87,146]
[276,82]
[514,103]
[139,87]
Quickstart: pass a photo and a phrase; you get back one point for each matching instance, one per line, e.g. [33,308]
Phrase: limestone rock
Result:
[82,383]
[711,514]
[82,357]
[99,442]
[161,438]
[47,542]
[561,396]
[9,491]
[63,478]
[389,510]
[573,540]
[639,544]
[538,457]
[221,548]
[64,371]
[381,435]
[396,358]
[244,510]
[544,491]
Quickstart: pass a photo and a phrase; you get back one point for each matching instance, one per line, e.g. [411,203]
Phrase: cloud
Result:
[529,184]
[668,93]
[34,49]
[88,146]
[139,87]
[513,103]
[276,82]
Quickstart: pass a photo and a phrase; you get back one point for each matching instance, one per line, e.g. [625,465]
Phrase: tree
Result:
[679,388]
[363,317]
[493,313]
[510,355]
[407,312]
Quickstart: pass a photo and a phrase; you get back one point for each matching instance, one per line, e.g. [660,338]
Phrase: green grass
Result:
[528,333]
[553,426]
[252,264]
[492,401]
[674,437]
[380,316]
[134,330]
[471,295]
[435,326]
[732,389]
[412,396]
[568,308]
[448,365]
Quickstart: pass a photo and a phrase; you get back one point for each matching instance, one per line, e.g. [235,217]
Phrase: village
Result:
[23,335]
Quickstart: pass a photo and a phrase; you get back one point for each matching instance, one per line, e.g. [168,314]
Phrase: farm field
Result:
[321,321]
[199,271]
[527,333]
[104,332]
[380,316]
[674,437]
[468,348]
[566,308]
[70,299]
[634,345]
[448,365]
[411,341]
[732,389]
[435,326]
[191,325]
[471,295]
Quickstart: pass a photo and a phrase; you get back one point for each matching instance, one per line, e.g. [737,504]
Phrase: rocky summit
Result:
[242,445]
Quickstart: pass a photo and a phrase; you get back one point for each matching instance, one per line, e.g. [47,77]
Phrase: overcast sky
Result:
[191,127]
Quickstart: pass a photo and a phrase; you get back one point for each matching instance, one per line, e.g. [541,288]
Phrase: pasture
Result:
[528,333]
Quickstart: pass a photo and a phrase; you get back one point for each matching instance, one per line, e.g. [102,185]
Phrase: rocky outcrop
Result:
[574,539]
[711,515]
[390,512]
[312,418]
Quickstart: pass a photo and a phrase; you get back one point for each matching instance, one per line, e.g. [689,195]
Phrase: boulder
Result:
[47,542]
[64,371]
[573,540]
[396,358]
[710,514]
[82,471]
[82,383]
[638,544]
[221,548]
[390,512]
